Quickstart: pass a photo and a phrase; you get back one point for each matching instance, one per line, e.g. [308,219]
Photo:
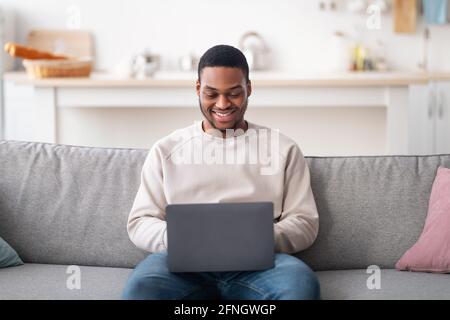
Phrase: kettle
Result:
[254,49]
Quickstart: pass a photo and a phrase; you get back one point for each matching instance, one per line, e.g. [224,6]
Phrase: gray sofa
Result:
[66,205]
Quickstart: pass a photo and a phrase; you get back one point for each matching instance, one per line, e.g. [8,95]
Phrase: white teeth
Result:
[222,114]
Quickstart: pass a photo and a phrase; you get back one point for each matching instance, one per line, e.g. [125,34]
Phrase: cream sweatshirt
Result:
[194,166]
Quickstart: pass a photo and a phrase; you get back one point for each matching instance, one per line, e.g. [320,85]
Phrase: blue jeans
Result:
[289,279]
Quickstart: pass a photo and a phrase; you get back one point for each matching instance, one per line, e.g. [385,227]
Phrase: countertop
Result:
[260,79]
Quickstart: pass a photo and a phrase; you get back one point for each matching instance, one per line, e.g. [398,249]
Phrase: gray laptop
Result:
[215,237]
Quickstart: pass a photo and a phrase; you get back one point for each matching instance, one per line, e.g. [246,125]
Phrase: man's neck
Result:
[207,126]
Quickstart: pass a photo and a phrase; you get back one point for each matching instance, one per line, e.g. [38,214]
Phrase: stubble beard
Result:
[236,123]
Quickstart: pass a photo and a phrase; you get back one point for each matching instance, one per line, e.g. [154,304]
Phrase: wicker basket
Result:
[80,67]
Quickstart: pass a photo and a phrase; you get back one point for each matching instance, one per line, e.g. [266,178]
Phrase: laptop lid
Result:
[215,237]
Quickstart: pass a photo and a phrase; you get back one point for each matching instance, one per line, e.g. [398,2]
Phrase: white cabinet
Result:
[429,118]
[18,112]
[443,117]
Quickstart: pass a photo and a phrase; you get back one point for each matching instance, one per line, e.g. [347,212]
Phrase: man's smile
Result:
[223,116]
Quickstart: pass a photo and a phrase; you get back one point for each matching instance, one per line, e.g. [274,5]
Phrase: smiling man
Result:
[223,88]
[223,96]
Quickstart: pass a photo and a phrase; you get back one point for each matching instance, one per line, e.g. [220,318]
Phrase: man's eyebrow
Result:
[214,89]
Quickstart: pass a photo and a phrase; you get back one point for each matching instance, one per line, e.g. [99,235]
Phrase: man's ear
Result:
[249,88]
[197,87]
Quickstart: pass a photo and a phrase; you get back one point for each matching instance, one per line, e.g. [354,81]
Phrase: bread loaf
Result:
[29,53]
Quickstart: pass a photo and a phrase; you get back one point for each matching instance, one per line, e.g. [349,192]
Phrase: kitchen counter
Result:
[260,79]
[169,90]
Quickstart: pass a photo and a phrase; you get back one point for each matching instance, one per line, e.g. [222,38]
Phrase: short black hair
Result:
[224,56]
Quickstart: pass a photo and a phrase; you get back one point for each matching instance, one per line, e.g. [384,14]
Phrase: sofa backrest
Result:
[372,208]
[65,204]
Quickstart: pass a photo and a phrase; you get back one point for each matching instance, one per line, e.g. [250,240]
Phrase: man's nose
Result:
[223,102]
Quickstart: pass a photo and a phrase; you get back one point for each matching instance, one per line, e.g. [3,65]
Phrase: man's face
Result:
[223,94]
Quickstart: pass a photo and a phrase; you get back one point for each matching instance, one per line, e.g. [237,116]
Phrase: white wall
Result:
[300,36]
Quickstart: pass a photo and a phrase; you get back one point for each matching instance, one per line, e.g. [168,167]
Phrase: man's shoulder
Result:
[177,138]
[285,143]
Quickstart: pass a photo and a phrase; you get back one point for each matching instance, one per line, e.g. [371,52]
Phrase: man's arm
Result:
[299,221]
[146,223]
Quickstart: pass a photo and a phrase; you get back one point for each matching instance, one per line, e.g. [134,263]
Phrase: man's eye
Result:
[210,95]
[235,94]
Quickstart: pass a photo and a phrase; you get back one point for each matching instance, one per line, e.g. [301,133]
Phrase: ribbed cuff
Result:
[164,241]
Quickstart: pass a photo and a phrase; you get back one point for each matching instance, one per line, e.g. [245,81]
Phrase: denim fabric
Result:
[289,279]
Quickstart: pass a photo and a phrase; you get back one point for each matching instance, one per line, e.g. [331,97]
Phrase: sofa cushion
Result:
[49,282]
[8,256]
[394,285]
[431,252]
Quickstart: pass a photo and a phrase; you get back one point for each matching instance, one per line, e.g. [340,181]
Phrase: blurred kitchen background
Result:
[344,77]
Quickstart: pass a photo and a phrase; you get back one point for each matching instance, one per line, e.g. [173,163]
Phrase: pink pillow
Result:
[431,253]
